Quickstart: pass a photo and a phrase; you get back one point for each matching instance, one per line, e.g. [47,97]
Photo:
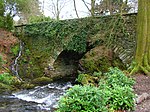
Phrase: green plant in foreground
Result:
[120,86]
[116,77]
[83,99]
[122,98]
[6,78]
[114,93]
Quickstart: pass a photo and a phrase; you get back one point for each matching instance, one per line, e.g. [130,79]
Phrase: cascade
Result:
[14,67]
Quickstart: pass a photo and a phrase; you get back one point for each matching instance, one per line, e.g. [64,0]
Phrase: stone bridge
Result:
[45,41]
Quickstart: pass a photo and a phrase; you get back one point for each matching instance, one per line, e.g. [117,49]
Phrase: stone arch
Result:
[66,64]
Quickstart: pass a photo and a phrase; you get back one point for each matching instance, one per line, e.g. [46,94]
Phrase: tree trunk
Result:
[142,56]
[92,8]
[57,10]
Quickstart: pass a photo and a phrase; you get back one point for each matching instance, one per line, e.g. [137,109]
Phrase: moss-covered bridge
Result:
[44,42]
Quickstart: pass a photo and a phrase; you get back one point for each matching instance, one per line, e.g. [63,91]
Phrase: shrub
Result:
[6,78]
[116,77]
[114,93]
[120,87]
[122,98]
[83,99]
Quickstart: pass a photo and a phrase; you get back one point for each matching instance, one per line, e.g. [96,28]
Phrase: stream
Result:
[39,99]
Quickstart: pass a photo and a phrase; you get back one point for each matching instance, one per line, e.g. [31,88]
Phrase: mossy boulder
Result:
[27,86]
[87,79]
[41,81]
[4,88]
[100,58]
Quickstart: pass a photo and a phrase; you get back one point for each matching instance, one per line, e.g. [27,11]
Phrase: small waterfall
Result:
[14,67]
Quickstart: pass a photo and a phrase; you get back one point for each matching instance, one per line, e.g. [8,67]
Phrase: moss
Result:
[99,59]
[104,63]
[42,81]
[27,86]
[6,88]
[86,79]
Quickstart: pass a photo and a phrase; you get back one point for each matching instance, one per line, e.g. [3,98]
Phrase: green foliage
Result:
[117,77]
[97,74]
[69,35]
[122,95]
[15,49]
[6,78]
[1,22]
[1,61]
[114,93]
[83,99]
[6,22]
[27,52]
[37,19]
[121,98]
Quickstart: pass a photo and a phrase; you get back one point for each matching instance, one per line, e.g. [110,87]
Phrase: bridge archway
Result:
[66,64]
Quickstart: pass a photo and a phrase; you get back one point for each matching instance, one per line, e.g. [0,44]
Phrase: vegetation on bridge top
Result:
[76,34]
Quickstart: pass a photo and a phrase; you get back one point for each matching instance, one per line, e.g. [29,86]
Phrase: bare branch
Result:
[56,7]
[86,5]
[75,8]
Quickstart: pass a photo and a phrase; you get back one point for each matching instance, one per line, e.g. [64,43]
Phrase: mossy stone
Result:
[86,79]
[27,86]
[99,59]
[6,88]
[42,81]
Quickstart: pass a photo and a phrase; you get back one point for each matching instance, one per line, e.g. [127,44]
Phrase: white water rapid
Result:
[46,97]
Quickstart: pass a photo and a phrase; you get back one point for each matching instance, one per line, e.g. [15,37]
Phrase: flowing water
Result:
[14,67]
[39,99]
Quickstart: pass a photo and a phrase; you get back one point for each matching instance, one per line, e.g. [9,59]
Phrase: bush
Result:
[120,86]
[121,98]
[114,93]
[6,78]
[83,99]
[116,77]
